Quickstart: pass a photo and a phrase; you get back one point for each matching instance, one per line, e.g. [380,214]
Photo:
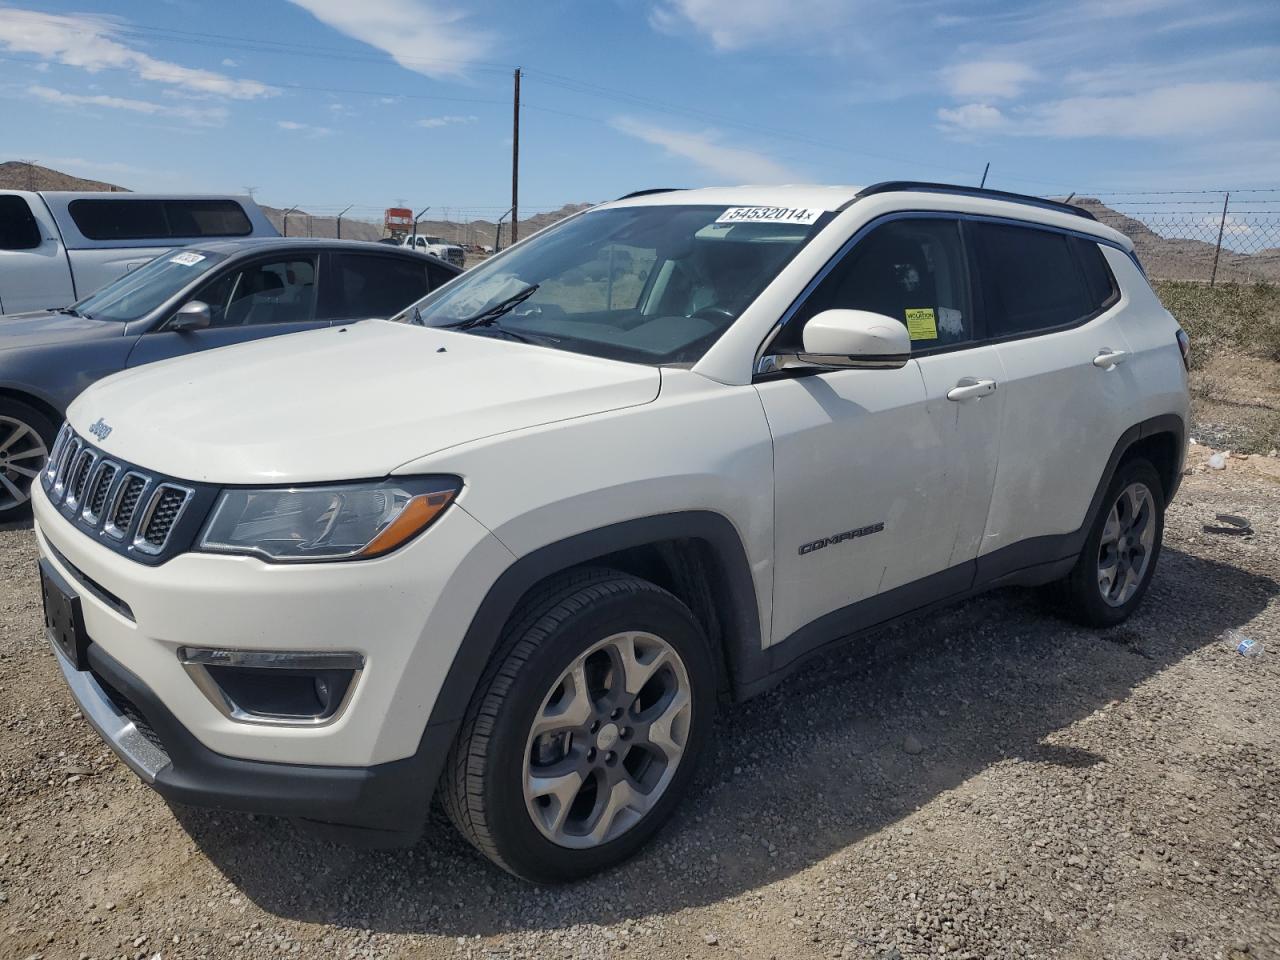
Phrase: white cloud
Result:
[733,24]
[206,116]
[731,164]
[309,129]
[430,37]
[988,79]
[432,123]
[90,44]
[1180,110]
[972,118]
[228,62]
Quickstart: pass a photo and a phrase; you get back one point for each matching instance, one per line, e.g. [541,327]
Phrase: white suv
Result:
[517,545]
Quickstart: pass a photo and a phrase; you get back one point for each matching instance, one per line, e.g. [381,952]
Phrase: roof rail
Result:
[645,193]
[893,186]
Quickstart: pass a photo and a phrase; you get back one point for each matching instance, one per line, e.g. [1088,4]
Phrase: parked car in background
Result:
[515,548]
[184,301]
[57,247]
[437,247]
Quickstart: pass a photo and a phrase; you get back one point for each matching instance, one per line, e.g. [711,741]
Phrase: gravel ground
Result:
[989,782]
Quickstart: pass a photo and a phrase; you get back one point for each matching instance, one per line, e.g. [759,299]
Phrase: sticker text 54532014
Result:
[803,215]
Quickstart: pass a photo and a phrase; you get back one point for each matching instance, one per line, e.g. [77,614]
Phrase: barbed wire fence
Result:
[1203,236]
[1209,236]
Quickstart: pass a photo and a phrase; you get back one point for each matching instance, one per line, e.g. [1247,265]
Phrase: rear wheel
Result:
[1120,553]
[26,436]
[585,730]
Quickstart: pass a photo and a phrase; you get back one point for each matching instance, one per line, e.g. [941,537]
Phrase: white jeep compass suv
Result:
[515,546]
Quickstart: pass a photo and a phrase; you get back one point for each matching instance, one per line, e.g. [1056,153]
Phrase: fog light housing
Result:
[284,687]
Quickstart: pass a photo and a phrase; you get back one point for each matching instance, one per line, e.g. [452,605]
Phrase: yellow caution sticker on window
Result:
[922,324]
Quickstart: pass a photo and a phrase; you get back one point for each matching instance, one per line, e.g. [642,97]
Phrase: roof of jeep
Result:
[942,196]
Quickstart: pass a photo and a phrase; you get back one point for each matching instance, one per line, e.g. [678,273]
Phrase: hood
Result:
[42,327]
[344,403]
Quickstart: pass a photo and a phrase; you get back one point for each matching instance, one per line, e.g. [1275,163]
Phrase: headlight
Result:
[342,522]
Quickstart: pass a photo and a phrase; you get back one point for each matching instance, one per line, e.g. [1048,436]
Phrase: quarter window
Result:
[1032,279]
[120,219]
[1097,275]
[18,228]
[911,270]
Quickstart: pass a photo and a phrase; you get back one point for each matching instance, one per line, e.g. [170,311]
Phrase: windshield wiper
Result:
[69,310]
[489,315]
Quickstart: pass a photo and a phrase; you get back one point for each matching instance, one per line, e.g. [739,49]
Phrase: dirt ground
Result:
[990,782]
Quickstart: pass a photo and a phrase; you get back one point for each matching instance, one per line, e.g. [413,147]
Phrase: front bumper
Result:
[383,805]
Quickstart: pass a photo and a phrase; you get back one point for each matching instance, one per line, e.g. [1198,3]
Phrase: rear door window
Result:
[119,219]
[361,285]
[18,227]
[1032,279]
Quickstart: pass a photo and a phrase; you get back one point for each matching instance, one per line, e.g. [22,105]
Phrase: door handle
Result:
[1108,358]
[971,387]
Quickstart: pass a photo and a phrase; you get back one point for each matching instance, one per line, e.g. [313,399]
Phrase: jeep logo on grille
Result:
[101,430]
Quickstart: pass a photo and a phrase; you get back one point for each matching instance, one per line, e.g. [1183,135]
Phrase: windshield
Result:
[647,284]
[139,292]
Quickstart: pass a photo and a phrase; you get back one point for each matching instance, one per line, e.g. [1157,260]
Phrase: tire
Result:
[1090,596]
[27,436]
[497,765]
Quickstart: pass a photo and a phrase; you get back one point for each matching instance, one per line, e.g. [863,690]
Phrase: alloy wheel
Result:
[1125,549]
[23,454]
[606,742]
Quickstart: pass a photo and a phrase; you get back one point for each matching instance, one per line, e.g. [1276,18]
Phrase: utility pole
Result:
[515,161]
[251,191]
[285,219]
[340,221]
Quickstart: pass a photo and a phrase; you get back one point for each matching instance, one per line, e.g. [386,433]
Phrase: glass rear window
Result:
[121,219]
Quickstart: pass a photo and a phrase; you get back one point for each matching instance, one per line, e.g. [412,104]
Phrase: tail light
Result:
[1184,347]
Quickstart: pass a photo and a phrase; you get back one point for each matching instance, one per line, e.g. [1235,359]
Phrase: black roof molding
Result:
[651,190]
[916,186]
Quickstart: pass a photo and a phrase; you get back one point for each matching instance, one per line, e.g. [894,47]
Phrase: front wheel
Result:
[26,435]
[585,730]
[1121,550]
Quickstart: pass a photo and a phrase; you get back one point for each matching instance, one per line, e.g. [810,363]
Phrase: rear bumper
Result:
[382,805]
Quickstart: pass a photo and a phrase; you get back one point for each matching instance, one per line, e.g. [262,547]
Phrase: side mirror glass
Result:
[855,338]
[192,315]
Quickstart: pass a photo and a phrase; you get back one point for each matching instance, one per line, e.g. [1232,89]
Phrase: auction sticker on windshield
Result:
[805,215]
[187,259]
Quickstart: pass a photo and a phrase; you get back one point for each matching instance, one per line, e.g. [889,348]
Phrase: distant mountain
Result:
[19,175]
[303,224]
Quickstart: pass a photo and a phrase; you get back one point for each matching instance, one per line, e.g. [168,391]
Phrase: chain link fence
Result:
[1209,236]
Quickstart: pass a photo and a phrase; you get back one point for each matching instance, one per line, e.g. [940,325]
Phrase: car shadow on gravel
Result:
[842,750]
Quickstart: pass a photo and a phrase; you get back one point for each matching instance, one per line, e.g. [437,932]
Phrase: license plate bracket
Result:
[63,616]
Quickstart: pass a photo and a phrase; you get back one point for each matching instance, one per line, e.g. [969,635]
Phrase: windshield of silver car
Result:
[140,291]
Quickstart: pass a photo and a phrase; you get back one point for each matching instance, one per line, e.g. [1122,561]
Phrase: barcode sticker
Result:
[804,215]
[187,259]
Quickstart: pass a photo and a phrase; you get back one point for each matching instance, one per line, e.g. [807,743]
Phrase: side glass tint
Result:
[1031,279]
[18,227]
[912,270]
[280,291]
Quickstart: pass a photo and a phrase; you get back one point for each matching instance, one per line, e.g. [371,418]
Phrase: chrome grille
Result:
[98,490]
[135,511]
[125,504]
[163,510]
[78,477]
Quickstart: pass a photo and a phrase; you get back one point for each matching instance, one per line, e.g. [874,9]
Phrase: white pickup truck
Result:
[437,247]
[58,247]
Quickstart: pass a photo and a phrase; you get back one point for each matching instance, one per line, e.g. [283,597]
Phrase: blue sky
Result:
[324,103]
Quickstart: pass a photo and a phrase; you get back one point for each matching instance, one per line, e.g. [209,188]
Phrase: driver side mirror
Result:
[855,338]
[192,315]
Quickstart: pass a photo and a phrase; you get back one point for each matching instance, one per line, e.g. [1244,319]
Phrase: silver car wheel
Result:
[1124,553]
[606,742]
[23,454]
